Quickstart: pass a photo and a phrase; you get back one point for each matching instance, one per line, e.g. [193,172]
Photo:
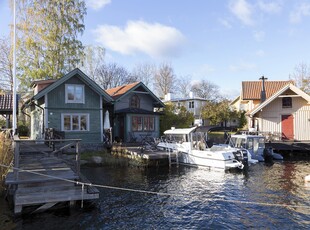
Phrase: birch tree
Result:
[164,80]
[145,73]
[206,90]
[92,60]
[6,65]
[47,38]
[112,75]
[301,76]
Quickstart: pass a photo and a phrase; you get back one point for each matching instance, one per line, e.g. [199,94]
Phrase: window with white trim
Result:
[74,93]
[191,104]
[74,122]
[143,123]
[286,102]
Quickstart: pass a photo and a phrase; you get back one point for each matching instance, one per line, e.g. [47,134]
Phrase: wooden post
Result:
[16,158]
[78,157]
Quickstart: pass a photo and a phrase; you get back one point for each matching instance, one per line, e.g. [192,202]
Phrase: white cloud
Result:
[206,69]
[156,40]
[225,23]
[242,66]
[302,10]
[97,4]
[259,36]
[270,7]
[260,53]
[242,10]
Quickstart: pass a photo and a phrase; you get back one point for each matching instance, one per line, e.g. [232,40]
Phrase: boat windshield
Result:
[179,138]
[255,144]
[238,142]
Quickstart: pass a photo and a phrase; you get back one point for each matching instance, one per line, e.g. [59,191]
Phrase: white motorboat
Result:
[190,144]
[255,144]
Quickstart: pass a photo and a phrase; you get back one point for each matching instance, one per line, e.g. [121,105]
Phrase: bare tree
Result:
[144,72]
[183,86]
[92,60]
[206,90]
[301,76]
[6,65]
[111,75]
[164,80]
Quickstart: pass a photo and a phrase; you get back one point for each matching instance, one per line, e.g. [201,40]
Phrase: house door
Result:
[121,127]
[287,127]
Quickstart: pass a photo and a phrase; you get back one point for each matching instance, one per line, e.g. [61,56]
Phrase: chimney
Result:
[263,92]
[191,94]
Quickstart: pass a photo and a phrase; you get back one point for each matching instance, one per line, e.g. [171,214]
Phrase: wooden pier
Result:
[42,177]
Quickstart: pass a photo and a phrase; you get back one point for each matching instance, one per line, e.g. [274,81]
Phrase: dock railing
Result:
[72,142]
[270,135]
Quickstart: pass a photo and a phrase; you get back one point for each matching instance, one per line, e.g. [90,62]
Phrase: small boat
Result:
[190,144]
[255,144]
[307,178]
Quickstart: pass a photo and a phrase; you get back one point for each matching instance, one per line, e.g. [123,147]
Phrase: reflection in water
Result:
[264,197]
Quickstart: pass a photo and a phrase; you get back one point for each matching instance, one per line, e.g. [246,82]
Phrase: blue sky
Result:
[222,41]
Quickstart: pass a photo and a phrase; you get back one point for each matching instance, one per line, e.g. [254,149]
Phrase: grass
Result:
[6,154]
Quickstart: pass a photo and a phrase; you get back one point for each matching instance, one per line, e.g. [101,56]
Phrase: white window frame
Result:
[75,100]
[71,124]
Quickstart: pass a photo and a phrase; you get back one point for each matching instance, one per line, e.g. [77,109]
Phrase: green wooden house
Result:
[136,112]
[73,105]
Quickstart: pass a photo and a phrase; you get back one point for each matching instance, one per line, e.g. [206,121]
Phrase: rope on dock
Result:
[155,193]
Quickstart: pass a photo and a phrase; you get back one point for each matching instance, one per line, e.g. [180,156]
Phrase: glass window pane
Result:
[67,122]
[83,124]
[151,124]
[134,124]
[70,93]
[75,122]
[79,93]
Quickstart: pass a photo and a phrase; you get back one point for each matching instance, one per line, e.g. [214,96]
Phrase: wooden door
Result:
[287,127]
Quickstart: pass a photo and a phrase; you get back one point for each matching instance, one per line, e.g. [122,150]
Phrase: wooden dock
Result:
[291,148]
[41,177]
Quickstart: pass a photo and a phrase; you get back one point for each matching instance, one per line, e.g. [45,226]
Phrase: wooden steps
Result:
[45,179]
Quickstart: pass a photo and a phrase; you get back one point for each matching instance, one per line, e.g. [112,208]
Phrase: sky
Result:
[221,41]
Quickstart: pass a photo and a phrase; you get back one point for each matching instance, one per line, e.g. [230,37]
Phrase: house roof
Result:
[292,87]
[47,81]
[186,99]
[82,76]
[251,90]
[135,111]
[6,102]
[118,92]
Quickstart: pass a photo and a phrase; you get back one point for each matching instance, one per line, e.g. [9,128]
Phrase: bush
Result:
[23,130]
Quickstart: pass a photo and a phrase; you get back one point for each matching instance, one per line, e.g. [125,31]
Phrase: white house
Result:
[285,112]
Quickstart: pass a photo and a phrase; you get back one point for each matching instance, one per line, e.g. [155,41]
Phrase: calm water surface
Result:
[266,197]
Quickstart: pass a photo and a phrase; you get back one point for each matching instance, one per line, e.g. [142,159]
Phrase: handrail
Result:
[16,149]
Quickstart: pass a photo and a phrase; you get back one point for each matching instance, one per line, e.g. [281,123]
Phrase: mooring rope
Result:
[155,193]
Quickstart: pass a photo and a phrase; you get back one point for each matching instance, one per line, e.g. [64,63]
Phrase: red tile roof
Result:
[251,90]
[6,103]
[120,90]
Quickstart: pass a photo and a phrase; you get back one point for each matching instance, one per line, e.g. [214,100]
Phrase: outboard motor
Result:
[242,156]
[267,154]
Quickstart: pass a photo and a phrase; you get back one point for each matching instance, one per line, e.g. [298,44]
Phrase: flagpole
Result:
[14,102]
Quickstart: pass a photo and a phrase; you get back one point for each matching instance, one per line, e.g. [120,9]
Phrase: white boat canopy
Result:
[180,131]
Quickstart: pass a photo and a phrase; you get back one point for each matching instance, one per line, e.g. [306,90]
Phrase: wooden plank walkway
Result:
[44,178]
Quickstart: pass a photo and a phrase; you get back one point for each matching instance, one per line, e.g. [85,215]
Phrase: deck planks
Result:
[56,182]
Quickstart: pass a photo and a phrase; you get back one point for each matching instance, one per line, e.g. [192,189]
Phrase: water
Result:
[267,197]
